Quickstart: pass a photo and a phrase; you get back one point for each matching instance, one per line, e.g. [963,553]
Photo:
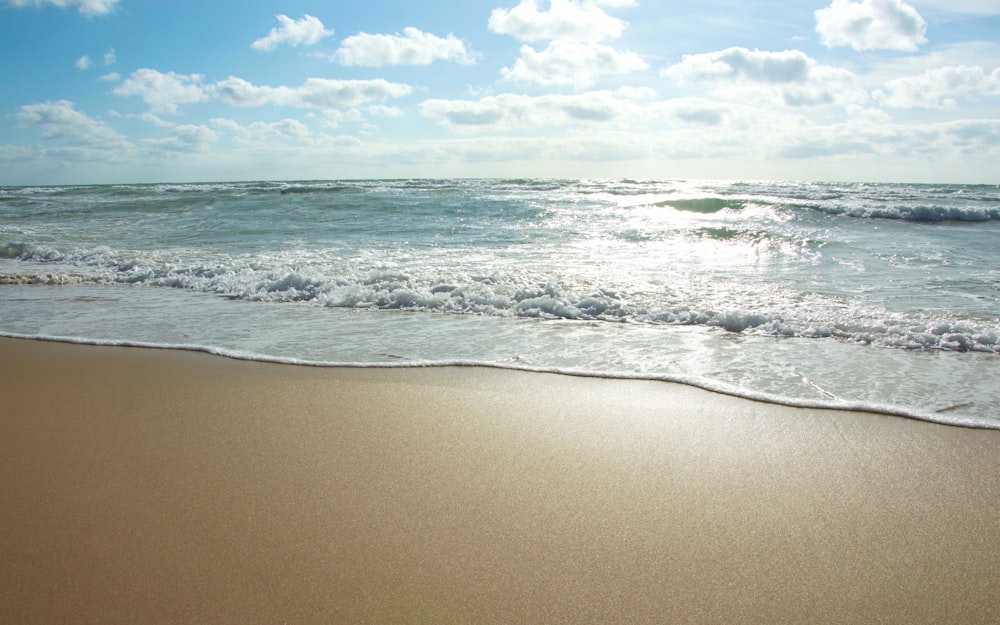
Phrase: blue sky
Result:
[98,91]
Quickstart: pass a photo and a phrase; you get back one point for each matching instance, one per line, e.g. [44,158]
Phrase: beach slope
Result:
[157,486]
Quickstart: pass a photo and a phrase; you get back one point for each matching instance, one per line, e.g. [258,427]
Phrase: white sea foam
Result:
[264,279]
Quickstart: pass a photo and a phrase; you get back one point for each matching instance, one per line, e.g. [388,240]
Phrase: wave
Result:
[918,213]
[943,416]
[834,205]
[345,285]
[47,279]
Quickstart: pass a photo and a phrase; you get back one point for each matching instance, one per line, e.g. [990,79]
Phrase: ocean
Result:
[883,297]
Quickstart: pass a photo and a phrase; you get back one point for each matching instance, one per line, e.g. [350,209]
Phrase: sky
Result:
[124,91]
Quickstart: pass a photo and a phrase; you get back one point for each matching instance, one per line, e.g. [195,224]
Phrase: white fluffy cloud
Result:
[791,77]
[571,20]
[413,47]
[60,121]
[87,7]
[571,63]
[789,66]
[83,63]
[871,25]
[939,88]
[162,92]
[185,138]
[281,131]
[318,93]
[511,111]
[305,31]
[574,55]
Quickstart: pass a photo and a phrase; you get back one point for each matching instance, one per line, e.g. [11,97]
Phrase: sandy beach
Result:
[156,486]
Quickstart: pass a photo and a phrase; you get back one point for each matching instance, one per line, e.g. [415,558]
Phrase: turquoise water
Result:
[853,293]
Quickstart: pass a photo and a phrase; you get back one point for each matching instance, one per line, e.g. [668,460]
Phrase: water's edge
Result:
[708,385]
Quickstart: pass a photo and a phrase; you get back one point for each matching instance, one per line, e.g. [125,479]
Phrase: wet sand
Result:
[154,486]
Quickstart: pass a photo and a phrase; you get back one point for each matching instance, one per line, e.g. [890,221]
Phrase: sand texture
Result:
[152,486]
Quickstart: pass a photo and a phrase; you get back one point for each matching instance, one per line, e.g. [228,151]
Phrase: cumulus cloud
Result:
[86,7]
[790,76]
[162,92]
[281,135]
[571,63]
[185,138]
[741,63]
[60,121]
[109,57]
[413,47]
[871,25]
[318,93]
[305,31]
[282,130]
[571,20]
[939,88]
[574,55]
[83,63]
[223,123]
[510,111]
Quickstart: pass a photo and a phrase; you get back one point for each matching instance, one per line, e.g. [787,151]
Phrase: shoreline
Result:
[941,416]
[168,486]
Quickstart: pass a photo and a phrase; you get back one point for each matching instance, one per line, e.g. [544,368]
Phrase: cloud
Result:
[790,77]
[111,77]
[223,123]
[741,63]
[571,63]
[86,7]
[413,47]
[871,25]
[185,138]
[318,93]
[149,118]
[15,154]
[306,31]
[61,122]
[574,55]
[938,88]
[696,111]
[973,135]
[282,131]
[288,135]
[85,62]
[162,92]
[334,118]
[513,111]
[568,20]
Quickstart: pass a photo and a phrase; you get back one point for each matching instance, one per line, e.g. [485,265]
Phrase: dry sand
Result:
[150,486]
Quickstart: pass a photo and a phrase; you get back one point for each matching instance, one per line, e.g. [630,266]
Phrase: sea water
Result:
[878,296]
